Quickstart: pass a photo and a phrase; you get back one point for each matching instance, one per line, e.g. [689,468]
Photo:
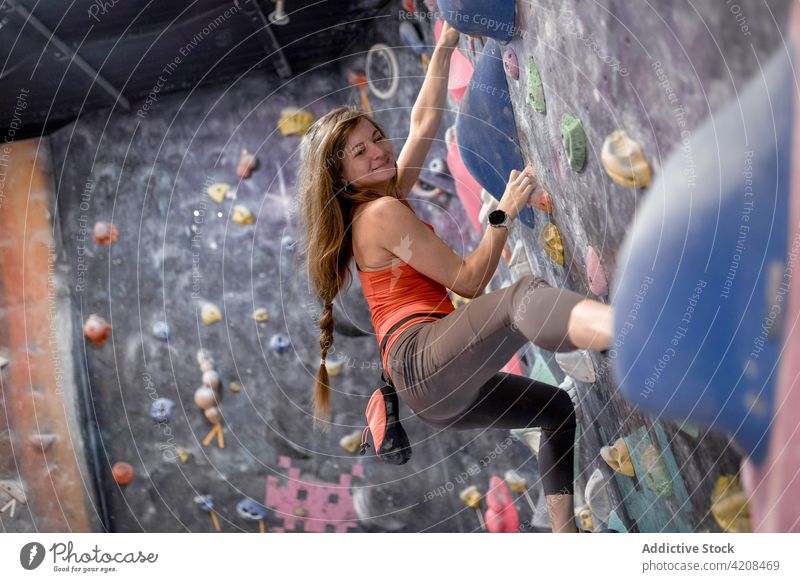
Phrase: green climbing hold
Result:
[535,89]
[574,140]
[656,474]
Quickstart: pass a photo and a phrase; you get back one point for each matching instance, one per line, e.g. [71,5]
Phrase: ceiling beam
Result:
[264,31]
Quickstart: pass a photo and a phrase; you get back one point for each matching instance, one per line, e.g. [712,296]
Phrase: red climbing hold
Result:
[96,329]
[598,283]
[105,233]
[502,516]
[122,472]
[542,201]
[247,163]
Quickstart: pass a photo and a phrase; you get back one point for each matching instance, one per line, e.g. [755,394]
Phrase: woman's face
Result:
[368,158]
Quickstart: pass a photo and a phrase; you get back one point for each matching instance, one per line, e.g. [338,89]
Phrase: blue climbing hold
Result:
[486,131]
[287,242]
[161,409]
[251,510]
[410,36]
[699,326]
[161,330]
[280,343]
[481,18]
[205,502]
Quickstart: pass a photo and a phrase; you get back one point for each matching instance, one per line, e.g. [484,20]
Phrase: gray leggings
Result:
[446,371]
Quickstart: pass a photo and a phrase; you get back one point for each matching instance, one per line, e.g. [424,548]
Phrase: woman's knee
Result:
[561,412]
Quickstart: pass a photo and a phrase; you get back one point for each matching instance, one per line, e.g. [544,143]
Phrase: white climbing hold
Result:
[489,204]
[350,442]
[596,496]
[205,360]
[14,490]
[577,364]
[624,162]
[530,436]
[519,264]
[205,397]
[211,379]
[516,482]
[3,362]
[571,387]
[334,366]
[213,414]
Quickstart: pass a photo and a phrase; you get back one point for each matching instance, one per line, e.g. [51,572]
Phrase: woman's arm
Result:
[427,112]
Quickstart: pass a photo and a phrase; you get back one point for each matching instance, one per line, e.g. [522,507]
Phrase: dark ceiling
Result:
[59,58]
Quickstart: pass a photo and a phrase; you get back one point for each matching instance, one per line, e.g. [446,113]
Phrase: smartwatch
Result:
[498,218]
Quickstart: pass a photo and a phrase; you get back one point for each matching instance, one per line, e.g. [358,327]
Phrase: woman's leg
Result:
[511,401]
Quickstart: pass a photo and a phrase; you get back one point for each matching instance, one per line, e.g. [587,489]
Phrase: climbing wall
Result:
[181,271]
[571,74]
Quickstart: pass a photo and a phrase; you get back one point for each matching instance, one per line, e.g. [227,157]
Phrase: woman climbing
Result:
[444,362]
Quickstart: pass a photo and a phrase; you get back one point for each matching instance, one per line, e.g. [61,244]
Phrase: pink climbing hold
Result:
[510,63]
[501,516]
[598,284]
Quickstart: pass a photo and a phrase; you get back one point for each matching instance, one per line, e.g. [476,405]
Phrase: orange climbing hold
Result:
[542,201]
[96,329]
[122,472]
[105,233]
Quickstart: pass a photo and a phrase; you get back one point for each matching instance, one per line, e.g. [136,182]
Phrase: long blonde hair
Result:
[326,203]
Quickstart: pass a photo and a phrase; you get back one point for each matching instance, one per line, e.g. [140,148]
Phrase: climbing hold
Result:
[584,515]
[570,387]
[218,191]
[551,241]
[211,379]
[14,490]
[690,430]
[242,215]
[596,496]
[530,436]
[623,160]
[360,81]
[574,140]
[501,515]
[3,362]
[42,442]
[206,502]
[247,163]
[205,360]
[96,329]
[122,473]
[471,496]
[250,510]
[351,442]
[287,242]
[213,414]
[729,505]
[519,265]
[383,73]
[438,166]
[161,330]
[280,343]
[487,206]
[410,36]
[517,482]
[210,314]
[161,409]
[261,315]
[510,63]
[542,201]
[294,121]
[205,397]
[456,299]
[656,475]
[183,455]
[235,387]
[105,233]
[334,366]
[535,88]
[577,364]
[618,458]
[480,18]
[598,283]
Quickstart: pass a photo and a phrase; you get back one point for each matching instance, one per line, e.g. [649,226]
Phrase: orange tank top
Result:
[396,292]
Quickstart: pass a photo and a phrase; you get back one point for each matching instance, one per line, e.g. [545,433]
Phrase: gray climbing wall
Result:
[655,71]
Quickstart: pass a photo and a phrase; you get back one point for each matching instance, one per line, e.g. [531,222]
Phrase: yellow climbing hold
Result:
[235,387]
[350,442]
[729,505]
[655,472]
[471,496]
[551,241]
[242,215]
[295,121]
[261,315]
[182,455]
[584,515]
[457,300]
[623,160]
[218,191]
[618,458]
[210,313]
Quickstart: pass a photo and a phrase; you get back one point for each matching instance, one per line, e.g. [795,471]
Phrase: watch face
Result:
[497,217]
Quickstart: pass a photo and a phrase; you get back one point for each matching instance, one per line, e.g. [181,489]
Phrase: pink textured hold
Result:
[502,516]
[247,163]
[598,284]
[510,63]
